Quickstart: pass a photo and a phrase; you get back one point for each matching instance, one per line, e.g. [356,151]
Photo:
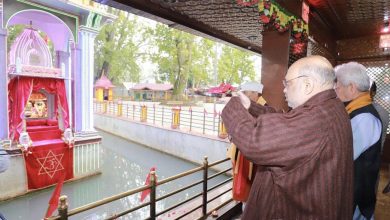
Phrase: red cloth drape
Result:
[53,203]
[146,192]
[241,182]
[20,89]
[47,164]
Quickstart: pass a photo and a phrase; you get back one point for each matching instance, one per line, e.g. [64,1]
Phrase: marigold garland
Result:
[272,14]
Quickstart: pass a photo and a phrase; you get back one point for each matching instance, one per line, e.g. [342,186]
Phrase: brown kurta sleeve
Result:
[256,109]
[278,140]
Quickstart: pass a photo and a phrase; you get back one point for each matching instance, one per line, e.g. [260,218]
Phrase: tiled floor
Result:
[382,210]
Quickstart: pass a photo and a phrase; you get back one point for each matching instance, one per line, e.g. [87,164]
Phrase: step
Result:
[45,135]
[41,128]
[47,142]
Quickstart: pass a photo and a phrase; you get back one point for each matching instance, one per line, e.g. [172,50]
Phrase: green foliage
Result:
[235,65]
[117,49]
[201,67]
[13,32]
[182,59]
[173,56]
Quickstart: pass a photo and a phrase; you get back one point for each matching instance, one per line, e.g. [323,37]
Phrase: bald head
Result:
[317,67]
[307,77]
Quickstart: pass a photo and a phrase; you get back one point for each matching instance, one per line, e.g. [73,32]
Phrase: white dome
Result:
[30,49]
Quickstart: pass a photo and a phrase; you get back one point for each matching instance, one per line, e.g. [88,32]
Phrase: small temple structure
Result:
[151,91]
[103,89]
[46,91]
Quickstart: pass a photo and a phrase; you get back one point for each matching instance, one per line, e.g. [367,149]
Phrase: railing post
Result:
[219,121]
[205,175]
[133,111]
[63,208]
[154,113]
[175,118]
[144,113]
[162,117]
[104,107]
[153,195]
[222,130]
[215,115]
[119,108]
[204,120]
[190,118]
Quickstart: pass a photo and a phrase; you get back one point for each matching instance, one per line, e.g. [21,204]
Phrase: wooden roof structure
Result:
[344,29]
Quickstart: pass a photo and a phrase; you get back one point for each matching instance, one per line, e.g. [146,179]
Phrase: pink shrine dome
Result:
[104,83]
[29,48]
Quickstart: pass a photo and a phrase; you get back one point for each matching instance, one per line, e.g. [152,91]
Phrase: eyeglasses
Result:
[285,82]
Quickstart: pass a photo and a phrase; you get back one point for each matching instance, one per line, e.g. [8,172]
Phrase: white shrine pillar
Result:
[4,129]
[64,63]
[84,81]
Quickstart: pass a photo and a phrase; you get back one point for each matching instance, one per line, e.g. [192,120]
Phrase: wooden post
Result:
[144,113]
[175,118]
[275,56]
[205,176]
[153,195]
[63,208]
[119,108]
[222,130]
[104,106]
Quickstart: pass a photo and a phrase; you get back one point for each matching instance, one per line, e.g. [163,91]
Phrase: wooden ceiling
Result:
[330,20]
[352,18]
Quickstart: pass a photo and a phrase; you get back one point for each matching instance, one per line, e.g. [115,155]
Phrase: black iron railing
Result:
[64,213]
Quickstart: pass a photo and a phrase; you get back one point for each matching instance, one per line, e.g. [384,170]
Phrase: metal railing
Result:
[86,158]
[187,119]
[63,206]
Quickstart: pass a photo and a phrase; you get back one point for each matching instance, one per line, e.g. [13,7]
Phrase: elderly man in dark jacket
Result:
[352,88]
[305,155]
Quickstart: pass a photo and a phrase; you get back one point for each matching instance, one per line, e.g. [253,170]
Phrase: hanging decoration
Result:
[247,2]
[273,15]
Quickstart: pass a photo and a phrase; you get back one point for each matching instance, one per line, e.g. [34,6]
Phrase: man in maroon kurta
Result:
[305,156]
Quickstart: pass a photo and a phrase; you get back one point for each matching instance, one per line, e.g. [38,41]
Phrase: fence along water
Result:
[186,119]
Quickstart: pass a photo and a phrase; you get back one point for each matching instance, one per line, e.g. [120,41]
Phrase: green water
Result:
[124,167]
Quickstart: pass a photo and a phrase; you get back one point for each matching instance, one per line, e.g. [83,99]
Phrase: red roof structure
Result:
[222,88]
[104,82]
[153,87]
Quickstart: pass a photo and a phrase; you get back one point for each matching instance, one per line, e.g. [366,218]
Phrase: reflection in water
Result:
[124,167]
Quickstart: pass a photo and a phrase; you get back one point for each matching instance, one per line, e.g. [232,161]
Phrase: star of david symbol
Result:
[50,164]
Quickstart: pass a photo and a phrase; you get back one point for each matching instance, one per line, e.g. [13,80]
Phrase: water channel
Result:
[124,167]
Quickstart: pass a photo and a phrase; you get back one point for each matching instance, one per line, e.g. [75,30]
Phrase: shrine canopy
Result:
[104,83]
[20,89]
[31,69]
[55,28]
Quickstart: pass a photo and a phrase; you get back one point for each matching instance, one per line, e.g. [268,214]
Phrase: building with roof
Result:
[151,91]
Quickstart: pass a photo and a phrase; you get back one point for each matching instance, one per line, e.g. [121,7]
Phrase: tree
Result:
[201,66]
[182,59]
[173,56]
[235,65]
[117,49]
